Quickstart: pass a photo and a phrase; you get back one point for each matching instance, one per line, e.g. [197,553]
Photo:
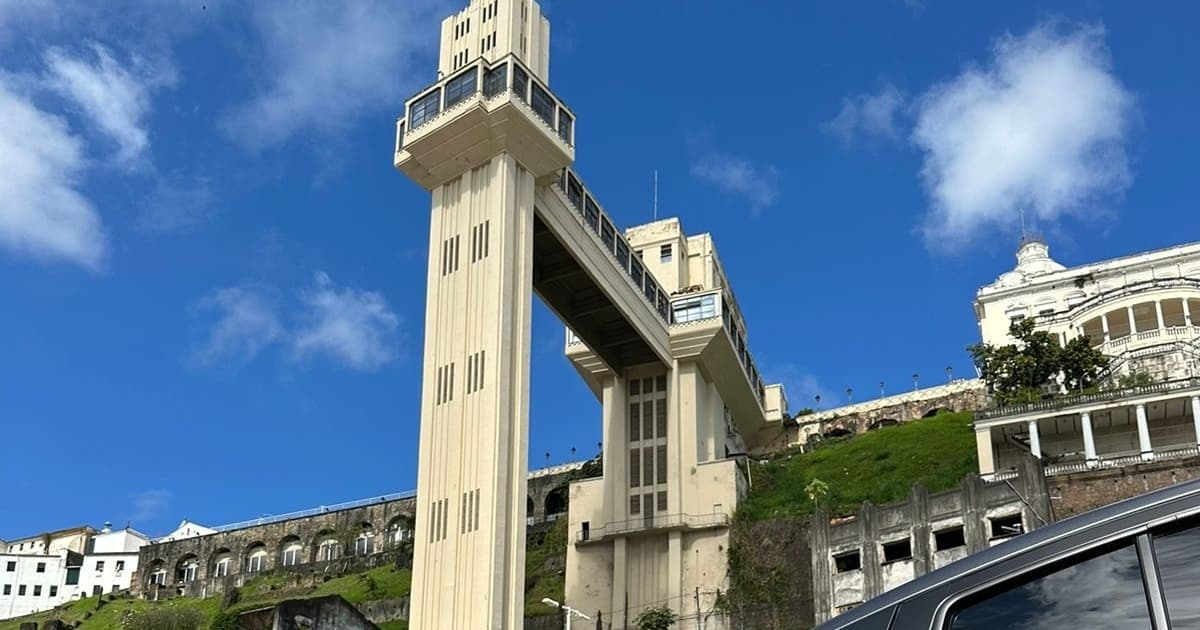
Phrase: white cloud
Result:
[327,62]
[150,504]
[42,212]
[247,321]
[113,99]
[1042,126]
[353,326]
[869,115]
[757,184]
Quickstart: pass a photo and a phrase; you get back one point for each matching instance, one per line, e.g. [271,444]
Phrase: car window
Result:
[1178,556]
[1104,592]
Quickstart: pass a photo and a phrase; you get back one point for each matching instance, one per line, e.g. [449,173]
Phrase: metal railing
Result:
[607,237]
[324,509]
[1120,461]
[656,522]
[1062,402]
[1129,289]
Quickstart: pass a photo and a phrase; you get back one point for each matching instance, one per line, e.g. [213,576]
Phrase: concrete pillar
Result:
[868,533]
[1035,440]
[616,448]
[1196,416]
[983,448]
[1104,324]
[974,514]
[1158,312]
[922,532]
[1143,429]
[822,572]
[620,590]
[1089,442]
[675,569]
[1132,324]
[1187,313]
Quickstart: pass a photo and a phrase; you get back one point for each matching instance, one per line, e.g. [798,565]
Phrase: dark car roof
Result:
[1127,514]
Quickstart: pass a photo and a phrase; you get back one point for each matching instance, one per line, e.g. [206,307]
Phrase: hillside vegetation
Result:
[385,582]
[880,466]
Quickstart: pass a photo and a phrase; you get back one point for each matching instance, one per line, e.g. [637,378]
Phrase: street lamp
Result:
[949,374]
[881,389]
[567,609]
[916,378]
[849,395]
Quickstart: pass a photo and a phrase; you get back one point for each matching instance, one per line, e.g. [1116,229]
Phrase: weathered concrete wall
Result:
[1077,493]
[384,610]
[866,537]
[318,613]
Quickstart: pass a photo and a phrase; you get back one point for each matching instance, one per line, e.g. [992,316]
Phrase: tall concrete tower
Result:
[479,146]
[510,218]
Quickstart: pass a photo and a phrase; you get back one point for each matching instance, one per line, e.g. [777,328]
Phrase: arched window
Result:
[364,544]
[399,530]
[186,569]
[158,573]
[291,553]
[328,549]
[221,563]
[256,558]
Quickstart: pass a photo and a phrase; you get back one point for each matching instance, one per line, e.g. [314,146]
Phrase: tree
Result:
[1018,372]
[655,618]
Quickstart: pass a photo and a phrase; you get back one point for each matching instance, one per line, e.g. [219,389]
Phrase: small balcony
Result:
[478,112]
[651,525]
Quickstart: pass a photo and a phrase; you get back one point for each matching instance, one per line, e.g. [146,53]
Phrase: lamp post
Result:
[916,379]
[949,374]
[881,389]
[849,395]
[567,609]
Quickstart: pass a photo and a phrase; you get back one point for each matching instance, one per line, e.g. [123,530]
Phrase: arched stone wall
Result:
[343,525]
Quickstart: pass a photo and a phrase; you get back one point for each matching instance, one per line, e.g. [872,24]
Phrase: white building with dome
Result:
[1143,311]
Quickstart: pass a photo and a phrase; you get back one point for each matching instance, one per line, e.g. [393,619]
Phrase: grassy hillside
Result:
[385,582]
[879,466]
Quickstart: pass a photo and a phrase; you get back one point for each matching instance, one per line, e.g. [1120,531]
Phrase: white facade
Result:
[45,571]
[186,529]
[112,562]
[34,571]
[1142,311]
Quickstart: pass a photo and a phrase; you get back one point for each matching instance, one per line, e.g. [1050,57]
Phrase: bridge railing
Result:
[610,239]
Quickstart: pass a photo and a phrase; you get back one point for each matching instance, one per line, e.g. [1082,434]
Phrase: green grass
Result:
[110,615]
[880,466]
[385,582]
[544,570]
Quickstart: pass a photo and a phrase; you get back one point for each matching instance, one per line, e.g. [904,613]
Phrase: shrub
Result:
[655,618]
[165,618]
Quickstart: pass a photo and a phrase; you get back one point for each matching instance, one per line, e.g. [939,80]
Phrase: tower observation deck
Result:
[510,218]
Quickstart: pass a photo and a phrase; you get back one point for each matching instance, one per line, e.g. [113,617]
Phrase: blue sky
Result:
[213,279]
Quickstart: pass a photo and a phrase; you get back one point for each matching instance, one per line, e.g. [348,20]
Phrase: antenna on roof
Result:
[655,194]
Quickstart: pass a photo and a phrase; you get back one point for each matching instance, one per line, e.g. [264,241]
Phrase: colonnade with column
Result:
[1190,311]
[987,452]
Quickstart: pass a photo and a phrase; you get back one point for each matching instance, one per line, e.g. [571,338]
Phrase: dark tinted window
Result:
[1178,557]
[1103,593]
[460,87]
